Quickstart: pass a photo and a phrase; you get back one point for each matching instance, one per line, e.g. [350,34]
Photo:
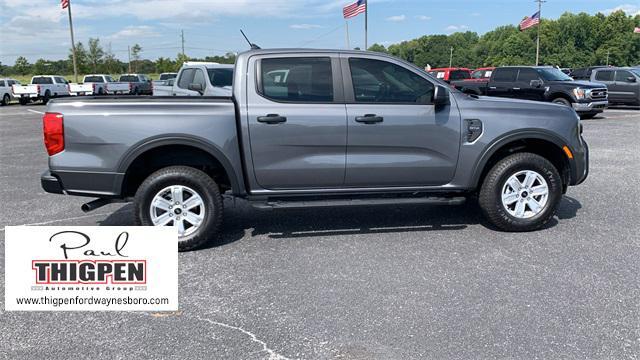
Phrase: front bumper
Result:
[591,107]
[580,164]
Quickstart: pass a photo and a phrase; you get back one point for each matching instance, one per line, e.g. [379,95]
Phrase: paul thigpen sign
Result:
[91,268]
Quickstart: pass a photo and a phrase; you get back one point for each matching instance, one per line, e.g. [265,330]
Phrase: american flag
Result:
[636,30]
[65,3]
[530,21]
[354,9]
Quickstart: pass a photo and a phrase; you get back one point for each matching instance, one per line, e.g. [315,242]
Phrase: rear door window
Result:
[42,80]
[222,77]
[2,83]
[459,75]
[505,75]
[297,79]
[526,75]
[604,75]
[623,76]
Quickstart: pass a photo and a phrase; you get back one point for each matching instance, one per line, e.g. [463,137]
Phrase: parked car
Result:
[450,74]
[281,142]
[482,73]
[138,84]
[163,87]
[6,93]
[585,73]
[623,84]
[566,71]
[203,79]
[168,76]
[98,84]
[42,88]
[541,83]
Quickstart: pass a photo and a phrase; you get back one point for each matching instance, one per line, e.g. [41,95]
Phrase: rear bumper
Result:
[92,184]
[51,184]
[591,107]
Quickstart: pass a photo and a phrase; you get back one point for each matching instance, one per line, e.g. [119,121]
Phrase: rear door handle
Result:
[272,119]
[492,87]
[369,119]
[516,88]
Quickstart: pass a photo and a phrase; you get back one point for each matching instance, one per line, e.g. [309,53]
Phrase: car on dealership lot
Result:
[623,84]
[168,76]
[305,128]
[138,84]
[98,84]
[585,72]
[6,93]
[450,74]
[197,78]
[541,83]
[42,88]
[482,74]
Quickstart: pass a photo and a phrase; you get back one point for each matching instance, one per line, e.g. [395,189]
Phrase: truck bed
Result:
[107,133]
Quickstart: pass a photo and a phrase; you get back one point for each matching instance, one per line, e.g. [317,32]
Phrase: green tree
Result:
[95,54]
[180,59]
[81,59]
[378,48]
[22,66]
[135,56]
[164,65]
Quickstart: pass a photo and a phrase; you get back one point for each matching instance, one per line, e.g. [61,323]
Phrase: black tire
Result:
[23,101]
[135,91]
[47,96]
[194,179]
[561,101]
[490,197]
[101,92]
[5,100]
[588,116]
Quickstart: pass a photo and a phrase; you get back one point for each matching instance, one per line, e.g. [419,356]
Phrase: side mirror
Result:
[631,79]
[440,96]
[196,87]
[535,83]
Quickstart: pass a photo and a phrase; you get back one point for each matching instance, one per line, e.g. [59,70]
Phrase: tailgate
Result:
[80,88]
[25,89]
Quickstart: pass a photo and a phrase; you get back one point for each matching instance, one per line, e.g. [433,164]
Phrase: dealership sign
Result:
[91,268]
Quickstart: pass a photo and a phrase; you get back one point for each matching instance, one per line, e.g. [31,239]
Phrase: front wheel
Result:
[6,99]
[562,101]
[521,192]
[47,96]
[182,197]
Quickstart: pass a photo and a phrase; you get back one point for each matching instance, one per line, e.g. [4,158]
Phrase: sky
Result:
[40,28]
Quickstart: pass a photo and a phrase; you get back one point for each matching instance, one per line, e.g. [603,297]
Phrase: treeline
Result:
[96,59]
[573,40]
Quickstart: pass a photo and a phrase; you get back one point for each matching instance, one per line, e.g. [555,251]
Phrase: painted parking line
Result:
[35,111]
[60,220]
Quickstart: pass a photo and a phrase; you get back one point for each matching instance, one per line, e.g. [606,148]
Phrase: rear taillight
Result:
[53,129]
[38,89]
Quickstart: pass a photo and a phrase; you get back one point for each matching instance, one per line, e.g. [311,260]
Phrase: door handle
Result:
[369,119]
[272,119]
[492,87]
[516,88]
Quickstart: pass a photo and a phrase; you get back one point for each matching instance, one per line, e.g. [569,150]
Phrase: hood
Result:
[578,83]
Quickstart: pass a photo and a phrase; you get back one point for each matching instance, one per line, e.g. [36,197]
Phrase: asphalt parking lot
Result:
[391,282]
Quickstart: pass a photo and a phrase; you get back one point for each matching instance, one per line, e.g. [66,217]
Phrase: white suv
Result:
[6,94]
[203,79]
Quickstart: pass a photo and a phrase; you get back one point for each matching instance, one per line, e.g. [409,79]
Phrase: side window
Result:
[505,75]
[622,75]
[376,81]
[199,78]
[459,75]
[604,75]
[186,78]
[2,83]
[526,75]
[302,79]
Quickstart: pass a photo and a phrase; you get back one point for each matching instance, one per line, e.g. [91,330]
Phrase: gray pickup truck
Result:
[308,128]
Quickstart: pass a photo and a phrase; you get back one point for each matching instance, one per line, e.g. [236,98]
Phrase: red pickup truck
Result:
[449,74]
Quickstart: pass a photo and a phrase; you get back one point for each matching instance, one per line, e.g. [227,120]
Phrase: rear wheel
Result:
[184,198]
[47,96]
[5,100]
[521,192]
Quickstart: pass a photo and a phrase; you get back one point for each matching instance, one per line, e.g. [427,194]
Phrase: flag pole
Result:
[347,27]
[73,44]
[538,37]
[366,16]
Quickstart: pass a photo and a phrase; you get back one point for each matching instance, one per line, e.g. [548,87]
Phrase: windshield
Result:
[221,77]
[553,74]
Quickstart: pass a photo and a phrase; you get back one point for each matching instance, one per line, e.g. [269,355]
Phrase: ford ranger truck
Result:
[541,83]
[313,128]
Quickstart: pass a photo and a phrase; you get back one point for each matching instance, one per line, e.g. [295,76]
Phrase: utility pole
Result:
[539,26]
[346,22]
[73,42]
[129,53]
[607,57]
[451,58]
[182,36]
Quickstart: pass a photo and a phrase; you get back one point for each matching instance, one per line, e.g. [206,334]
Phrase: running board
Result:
[296,204]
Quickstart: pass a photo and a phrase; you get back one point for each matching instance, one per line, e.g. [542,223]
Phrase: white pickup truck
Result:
[42,87]
[203,79]
[6,94]
[98,84]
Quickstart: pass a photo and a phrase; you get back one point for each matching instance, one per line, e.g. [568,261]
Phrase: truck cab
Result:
[623,84]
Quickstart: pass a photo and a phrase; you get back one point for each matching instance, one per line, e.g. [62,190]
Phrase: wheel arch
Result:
[562,95]
[541,143]
[201,153]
